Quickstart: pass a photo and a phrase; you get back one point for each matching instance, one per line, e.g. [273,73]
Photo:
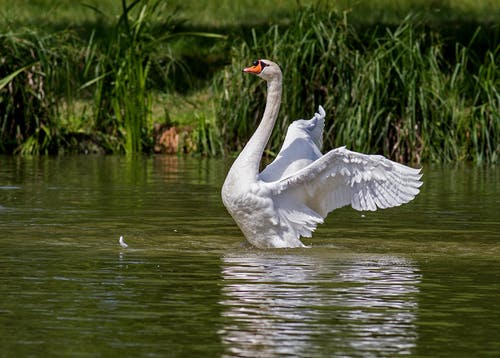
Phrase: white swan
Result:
[294,193]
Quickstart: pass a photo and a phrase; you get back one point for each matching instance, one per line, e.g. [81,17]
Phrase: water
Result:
[420,280]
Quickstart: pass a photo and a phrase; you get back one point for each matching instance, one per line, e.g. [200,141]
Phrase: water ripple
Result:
[300,305]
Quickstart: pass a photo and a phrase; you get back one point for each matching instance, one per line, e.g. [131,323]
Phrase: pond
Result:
[421,280]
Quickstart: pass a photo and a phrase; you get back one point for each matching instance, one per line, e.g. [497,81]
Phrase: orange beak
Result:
[255,69]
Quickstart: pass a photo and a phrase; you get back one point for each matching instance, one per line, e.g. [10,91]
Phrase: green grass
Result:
[422,89]
[111,80]
[394,94]
[228,13]
[437,11]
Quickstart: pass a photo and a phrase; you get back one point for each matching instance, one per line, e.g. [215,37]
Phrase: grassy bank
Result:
[101,78]
[393,94]
[71,91]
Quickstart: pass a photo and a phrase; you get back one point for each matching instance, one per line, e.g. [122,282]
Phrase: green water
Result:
[420,280]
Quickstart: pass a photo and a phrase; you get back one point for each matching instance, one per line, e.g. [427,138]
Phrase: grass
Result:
[121,72]
[394,94]
[115,74]
[57,15]
[97,77]
[30,86]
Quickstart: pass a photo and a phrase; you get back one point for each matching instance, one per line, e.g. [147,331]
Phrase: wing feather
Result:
[301,147]
[342,177]
[307,185]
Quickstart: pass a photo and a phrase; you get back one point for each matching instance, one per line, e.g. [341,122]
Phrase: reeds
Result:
[403,92]
[393,94]
[120,66]
[32,81]
[116,72]
[130,65]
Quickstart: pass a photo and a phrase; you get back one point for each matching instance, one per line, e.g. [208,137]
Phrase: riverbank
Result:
[82,79]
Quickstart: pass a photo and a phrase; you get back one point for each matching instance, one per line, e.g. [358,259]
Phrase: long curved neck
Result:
[251,155]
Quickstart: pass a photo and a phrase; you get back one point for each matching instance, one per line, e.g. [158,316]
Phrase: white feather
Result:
[122,243]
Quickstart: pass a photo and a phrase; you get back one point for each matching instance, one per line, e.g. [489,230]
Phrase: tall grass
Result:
[125,62]
[33,74]
[393,94]
[405,92]
[120,66]
[129,65]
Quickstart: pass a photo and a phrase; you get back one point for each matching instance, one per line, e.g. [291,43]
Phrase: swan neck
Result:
[252,153]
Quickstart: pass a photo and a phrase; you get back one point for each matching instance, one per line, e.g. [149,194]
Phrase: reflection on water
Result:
[421,279]
[298,305]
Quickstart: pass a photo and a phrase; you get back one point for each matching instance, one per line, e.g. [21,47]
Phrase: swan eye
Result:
[256,68]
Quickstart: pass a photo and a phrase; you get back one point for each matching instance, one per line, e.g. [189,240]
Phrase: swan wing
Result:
[301,147]
[342,177]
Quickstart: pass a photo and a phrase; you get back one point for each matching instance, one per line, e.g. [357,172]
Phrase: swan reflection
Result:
[299,305]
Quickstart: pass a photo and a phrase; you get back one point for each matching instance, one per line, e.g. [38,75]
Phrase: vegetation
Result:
[107,81]
[393,93]
[30,90]
[80,79]
[121,66]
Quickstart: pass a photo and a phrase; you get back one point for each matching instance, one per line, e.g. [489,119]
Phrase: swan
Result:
[294,193]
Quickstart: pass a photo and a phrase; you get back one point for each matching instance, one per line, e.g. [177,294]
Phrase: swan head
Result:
[265,69]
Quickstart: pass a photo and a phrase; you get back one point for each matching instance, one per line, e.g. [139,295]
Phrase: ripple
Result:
[287,305]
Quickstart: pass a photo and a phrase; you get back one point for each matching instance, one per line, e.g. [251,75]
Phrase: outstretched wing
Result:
[342,177]
[301,147]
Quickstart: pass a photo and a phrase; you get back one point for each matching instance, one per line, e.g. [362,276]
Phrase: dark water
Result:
[420,280]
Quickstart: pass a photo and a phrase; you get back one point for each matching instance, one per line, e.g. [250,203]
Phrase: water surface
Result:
[420,280]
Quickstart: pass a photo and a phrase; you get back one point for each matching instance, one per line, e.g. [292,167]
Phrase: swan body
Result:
[294,193]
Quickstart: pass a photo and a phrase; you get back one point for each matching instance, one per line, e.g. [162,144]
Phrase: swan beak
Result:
[256,69]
